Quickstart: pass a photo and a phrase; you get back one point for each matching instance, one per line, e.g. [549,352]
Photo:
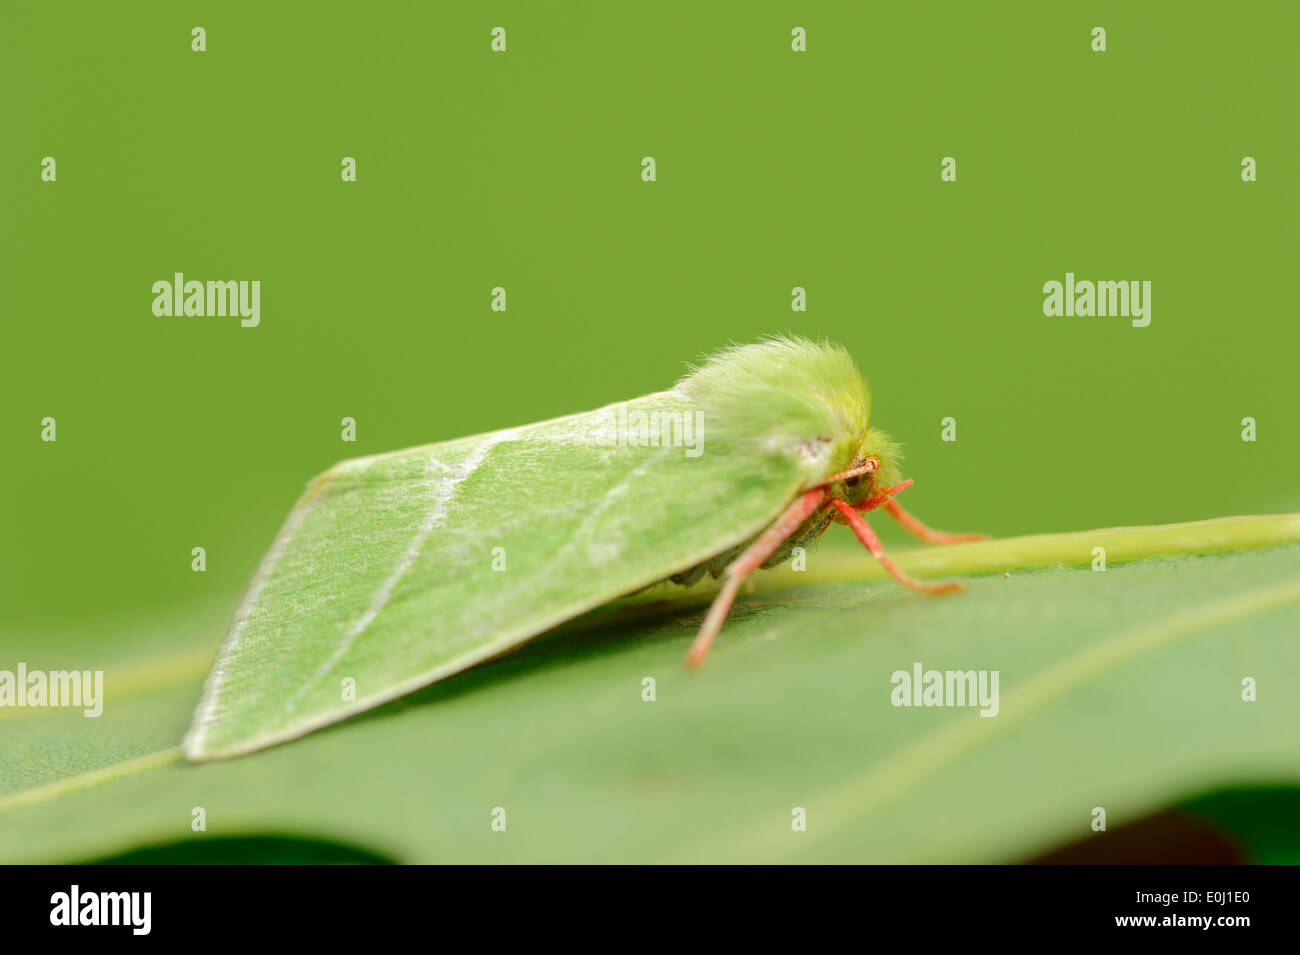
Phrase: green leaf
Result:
[1120,689]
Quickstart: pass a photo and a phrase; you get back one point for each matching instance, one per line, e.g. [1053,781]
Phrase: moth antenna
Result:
[867,466]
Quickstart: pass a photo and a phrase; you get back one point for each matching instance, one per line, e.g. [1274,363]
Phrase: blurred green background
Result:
[523,170]
[775,169]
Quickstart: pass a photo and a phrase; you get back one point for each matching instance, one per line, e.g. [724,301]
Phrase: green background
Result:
[775,169]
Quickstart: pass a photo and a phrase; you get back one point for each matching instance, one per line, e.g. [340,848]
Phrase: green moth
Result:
[397,570]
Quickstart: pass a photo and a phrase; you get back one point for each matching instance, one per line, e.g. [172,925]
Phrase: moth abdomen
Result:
[717,565]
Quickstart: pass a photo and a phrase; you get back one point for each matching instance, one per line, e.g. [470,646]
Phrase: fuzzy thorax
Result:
[797,398]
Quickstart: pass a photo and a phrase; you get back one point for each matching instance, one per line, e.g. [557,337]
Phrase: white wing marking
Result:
[443,485]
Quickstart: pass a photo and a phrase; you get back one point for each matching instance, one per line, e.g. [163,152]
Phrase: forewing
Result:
[397,570]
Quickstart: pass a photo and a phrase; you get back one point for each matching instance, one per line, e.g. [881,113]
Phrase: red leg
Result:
[872,543]
[881,496]
[748,562]
[924,532]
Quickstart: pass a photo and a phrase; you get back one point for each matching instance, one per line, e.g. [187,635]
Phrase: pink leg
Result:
[924,532]
[746,564]
[872,543]
[880,497]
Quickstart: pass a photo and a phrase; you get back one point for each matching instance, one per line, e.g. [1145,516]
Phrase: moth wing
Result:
[397,570]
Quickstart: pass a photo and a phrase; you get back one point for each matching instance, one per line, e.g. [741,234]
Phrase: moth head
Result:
[877,472]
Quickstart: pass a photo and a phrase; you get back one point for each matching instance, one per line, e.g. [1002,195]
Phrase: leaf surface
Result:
[1119,689]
